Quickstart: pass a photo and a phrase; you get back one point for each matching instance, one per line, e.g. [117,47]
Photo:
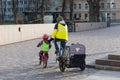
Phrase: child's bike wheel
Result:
[44,64]
[44,60]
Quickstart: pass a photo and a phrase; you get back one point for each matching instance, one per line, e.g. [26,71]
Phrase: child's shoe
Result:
[40,62]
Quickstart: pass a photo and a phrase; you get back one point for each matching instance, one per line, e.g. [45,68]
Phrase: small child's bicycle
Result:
[45,46]
[44,60]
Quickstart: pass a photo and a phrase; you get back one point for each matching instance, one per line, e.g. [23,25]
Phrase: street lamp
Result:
[108,14]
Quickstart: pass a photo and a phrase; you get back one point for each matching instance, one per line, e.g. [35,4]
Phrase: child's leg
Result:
[63,44]
[47,55]
[40,56]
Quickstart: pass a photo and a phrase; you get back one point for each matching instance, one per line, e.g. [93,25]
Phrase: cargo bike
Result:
[73,56]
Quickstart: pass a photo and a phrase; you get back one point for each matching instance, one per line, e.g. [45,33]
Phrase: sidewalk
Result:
[104,75]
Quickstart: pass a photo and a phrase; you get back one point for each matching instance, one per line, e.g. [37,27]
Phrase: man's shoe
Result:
[58,58]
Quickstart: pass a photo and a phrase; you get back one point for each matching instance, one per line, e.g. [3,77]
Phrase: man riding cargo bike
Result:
[60,35]
[67,56]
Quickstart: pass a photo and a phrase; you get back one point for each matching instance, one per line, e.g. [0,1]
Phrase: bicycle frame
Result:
[62,60]
[44,60]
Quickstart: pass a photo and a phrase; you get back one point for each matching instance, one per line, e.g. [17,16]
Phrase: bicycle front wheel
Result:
[44,60]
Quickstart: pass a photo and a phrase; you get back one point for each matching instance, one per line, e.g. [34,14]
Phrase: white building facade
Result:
[80,8]
[107,8]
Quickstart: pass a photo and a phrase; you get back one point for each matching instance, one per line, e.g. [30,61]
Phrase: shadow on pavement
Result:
[36,72]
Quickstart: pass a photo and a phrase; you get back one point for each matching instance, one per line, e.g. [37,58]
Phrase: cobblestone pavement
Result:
[19,61]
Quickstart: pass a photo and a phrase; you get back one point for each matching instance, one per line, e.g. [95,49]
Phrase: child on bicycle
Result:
[45,46]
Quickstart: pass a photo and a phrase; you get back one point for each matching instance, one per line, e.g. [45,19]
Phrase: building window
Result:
[9,9]
[113,16]
[102,5]
[30,2]
[9,3]
[47,7]
[86,6]
[25,8]
[21,2]
[75,6]
[79,6]
[25,2]
[9,16]
[75,15]
[0,9]
[113,5]
[4,2]
[108,5]
[21,9]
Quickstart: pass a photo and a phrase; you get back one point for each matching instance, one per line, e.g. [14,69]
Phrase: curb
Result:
[90,66]
[103,67]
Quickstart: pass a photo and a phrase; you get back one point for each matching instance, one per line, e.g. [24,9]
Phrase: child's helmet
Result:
[45,37]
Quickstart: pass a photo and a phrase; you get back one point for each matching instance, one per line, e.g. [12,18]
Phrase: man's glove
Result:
[51,39]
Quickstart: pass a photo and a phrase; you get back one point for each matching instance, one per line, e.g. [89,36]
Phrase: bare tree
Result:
[64,3]
[94,9]
[63,8]
[37,5]
[42,10]
[0,11]
[28,5]
[71,9]
[33,5]
[15,9]
[3,10]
